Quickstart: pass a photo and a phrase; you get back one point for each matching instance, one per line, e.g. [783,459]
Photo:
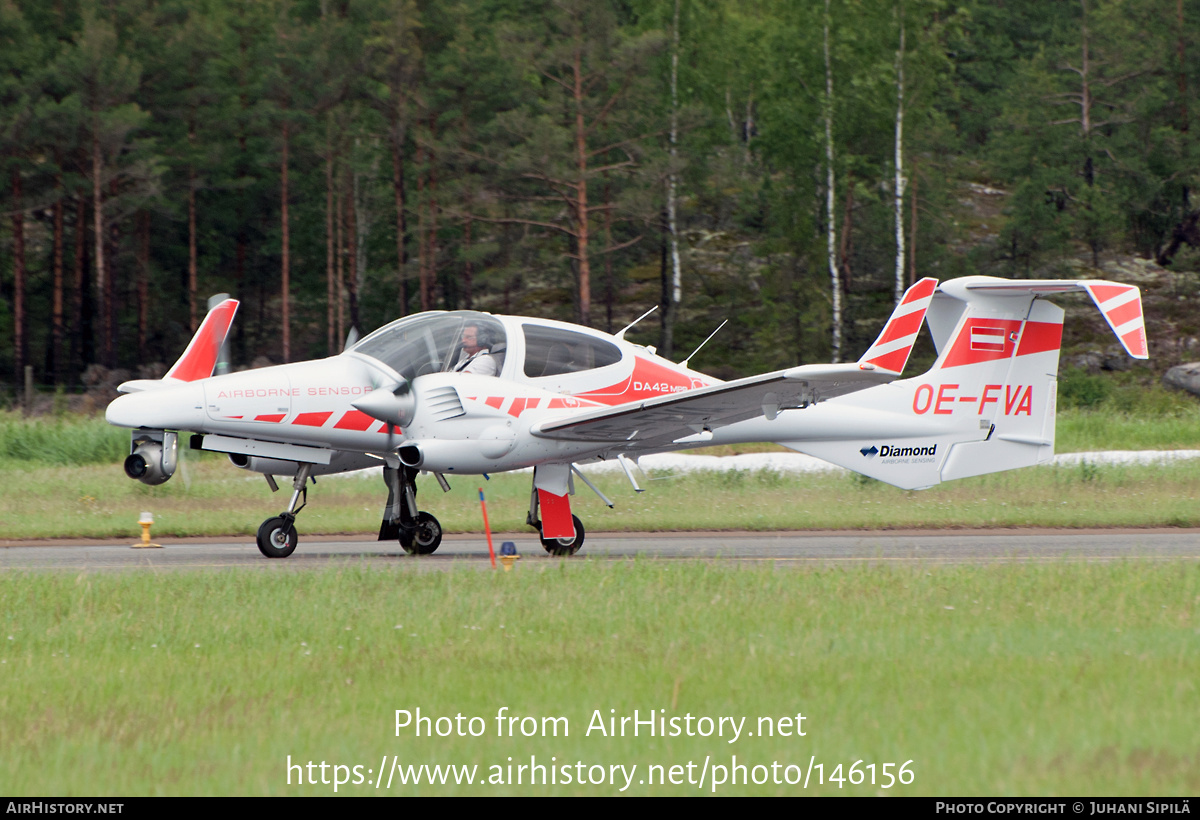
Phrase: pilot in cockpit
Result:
[476,357]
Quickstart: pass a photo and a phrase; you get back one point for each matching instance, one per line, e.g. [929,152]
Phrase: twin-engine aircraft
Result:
[463,392]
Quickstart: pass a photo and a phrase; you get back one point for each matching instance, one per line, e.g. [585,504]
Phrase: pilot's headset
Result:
[485,337]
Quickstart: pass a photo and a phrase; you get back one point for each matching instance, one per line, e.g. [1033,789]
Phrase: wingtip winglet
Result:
[891,350]
[200,357]
[1121,306]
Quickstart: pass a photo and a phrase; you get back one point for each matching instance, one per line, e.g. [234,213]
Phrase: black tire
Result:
[277,537]
[563,546]
[425,538]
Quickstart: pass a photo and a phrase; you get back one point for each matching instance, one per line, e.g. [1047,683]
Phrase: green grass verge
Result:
[65,440]
[1075,679]
[50,502]
[62,479]
[1089,430]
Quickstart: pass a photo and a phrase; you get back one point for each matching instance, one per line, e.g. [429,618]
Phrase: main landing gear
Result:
[555,546]
[562,546]
[418,532]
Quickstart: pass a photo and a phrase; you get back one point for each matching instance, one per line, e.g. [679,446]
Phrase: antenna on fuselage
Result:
[684,363]
[621,335]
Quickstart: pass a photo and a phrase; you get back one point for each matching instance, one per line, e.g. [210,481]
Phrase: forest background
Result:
[789,165]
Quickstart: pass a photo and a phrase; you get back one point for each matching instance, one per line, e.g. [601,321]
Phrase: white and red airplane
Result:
[464,392]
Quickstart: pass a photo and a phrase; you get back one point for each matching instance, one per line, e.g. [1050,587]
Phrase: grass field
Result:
[62,478]
[99,501]
[1068,679]
[1032,679]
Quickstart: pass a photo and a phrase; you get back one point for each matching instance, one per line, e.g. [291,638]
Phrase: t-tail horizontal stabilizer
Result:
[988,403]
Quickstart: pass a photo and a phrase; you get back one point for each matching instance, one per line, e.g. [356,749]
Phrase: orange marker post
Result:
[486,528]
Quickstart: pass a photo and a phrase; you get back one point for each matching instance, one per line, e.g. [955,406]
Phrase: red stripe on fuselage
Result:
[270,417]
[649,379]
[354,420]
[312,419]
[1040,337]
[1037,337]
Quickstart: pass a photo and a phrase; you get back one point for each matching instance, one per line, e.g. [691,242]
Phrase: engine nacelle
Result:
[152,458]
[340,462]
[478,455]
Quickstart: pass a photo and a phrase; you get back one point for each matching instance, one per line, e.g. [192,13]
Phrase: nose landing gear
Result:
[277,536]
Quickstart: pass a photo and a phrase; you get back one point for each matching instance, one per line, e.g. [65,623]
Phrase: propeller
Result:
[394,406]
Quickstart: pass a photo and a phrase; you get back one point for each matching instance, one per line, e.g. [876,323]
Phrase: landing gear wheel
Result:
[563,546]
[425,538]
[277,537]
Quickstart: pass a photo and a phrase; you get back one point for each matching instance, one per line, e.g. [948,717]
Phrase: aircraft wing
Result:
[691,416]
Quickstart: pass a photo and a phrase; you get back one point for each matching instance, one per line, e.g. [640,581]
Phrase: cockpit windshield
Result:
[438,342]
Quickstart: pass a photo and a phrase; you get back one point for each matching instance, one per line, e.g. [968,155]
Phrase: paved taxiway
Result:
[781,549]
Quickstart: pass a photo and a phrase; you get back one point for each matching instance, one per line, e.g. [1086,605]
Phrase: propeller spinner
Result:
[394,406]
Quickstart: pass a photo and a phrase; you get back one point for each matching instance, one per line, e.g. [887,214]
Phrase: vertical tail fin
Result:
[988,403]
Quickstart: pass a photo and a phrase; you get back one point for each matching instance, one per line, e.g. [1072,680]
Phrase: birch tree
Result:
[672,291]
[835,284]
[900,182]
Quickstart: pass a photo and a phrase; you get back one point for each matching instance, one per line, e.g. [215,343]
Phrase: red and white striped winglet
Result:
[890,351]
[1122,309]
[198,361]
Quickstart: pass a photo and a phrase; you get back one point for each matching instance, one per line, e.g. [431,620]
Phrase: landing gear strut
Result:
[277,536]
[418,532]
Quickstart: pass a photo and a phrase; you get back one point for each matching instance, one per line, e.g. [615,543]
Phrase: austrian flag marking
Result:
[990,339]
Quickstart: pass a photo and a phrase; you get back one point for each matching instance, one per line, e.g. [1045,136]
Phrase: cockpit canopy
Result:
[432,342]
